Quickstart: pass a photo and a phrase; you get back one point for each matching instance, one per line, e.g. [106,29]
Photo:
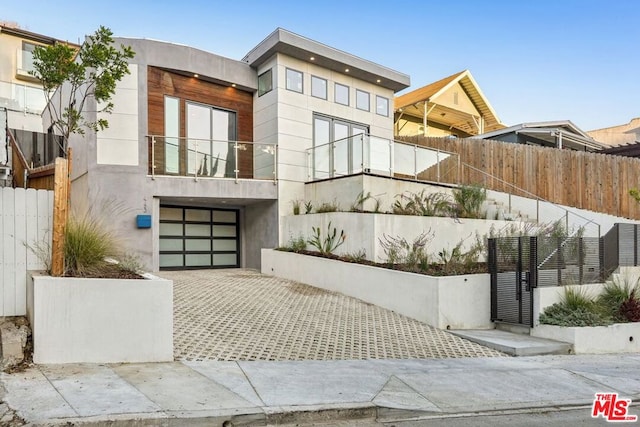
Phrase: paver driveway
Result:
[240,314]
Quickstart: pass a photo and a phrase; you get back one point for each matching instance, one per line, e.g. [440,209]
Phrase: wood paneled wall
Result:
[597,182]
[162,82]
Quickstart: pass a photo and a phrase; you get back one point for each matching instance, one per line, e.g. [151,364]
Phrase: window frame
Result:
[335,93]
[286,78]
[386,114]
[270,86]
[358,91]
[326,87]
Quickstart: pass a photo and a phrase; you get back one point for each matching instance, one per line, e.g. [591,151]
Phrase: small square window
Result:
[341,94]
[382,106]
[294,80]
[362,100]
[265,82]
[318,87]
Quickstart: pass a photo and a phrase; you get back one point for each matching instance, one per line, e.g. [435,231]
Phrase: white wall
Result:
[118,144]
[25,218]
[548,213]
[364,231]
[78,320]
[455,302]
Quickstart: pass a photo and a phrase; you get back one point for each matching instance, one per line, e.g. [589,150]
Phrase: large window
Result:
[171,133]
[382,106]
[265,82]
[211,134]
[362,100]
[341,94]
[338,148]
[294,80]
[318,87]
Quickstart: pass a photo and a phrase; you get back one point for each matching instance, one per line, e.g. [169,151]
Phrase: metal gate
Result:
[513,269]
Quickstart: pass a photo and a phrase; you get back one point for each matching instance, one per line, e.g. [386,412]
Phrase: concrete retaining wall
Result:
[456,302]
[618,338]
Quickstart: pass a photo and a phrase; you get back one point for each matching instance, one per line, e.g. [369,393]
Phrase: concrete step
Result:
[513,343]
[510,327]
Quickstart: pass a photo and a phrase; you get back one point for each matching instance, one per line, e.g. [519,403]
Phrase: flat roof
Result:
[294,45]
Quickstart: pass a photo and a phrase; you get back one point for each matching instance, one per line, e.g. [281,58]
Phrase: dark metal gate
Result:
[513,268]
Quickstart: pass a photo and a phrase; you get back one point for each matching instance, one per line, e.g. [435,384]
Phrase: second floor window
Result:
[294,80]
[318,87]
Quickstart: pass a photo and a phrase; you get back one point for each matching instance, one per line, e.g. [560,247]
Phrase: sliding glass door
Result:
[211,135]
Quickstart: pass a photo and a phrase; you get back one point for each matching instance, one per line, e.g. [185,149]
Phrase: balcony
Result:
[23,98]
[203,158]
[380,156]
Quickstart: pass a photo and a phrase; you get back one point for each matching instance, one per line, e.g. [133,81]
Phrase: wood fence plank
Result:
[9,270]
[19,285]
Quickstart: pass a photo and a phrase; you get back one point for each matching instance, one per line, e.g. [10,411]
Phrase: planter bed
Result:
[86,320]
[447,302]
[617,338]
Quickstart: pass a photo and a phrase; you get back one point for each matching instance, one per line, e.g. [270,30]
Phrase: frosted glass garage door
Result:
[193,237]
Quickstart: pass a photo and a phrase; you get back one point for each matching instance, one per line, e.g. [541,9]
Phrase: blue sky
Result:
[534,60]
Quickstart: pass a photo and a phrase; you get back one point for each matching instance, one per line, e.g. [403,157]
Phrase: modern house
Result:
[559,134]
[204,154]
[451,107]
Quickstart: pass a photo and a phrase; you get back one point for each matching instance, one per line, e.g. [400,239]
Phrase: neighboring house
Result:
[22,99]
[560,134]
[215,150]
[618,135]
[452,107]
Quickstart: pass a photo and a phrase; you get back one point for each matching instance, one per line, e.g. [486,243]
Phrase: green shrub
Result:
[575,309]
[328,207]
[422,204]
[357,256]
[308,207]
[413,255]
[560,315]
[87,242]
[469,200]
[614,294]
[358,204]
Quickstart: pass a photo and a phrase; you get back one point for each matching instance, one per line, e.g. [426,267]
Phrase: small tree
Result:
[91,72]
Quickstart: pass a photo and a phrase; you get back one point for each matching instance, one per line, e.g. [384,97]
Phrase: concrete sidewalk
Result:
[259,393]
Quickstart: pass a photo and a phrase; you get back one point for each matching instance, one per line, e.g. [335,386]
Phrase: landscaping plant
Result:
[330,242]
[468,201]
[575,309]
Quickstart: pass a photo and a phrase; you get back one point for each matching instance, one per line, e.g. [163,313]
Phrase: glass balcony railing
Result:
[381,156]
[204,158]
[19,97]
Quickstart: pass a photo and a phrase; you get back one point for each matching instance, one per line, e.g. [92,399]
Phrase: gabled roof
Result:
[548,131]
[291,44]
[409,101]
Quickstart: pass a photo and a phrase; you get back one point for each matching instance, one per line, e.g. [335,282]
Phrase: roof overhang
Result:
[415,104]
[290,44]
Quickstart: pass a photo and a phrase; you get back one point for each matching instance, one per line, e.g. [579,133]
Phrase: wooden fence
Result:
[597,182]
[26,218]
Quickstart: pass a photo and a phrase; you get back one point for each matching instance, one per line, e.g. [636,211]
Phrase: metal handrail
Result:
[536,197]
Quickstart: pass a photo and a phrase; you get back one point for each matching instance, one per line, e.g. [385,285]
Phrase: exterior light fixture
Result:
[196,76]
[312,58]
[346,70]
[233,85]
[378,81]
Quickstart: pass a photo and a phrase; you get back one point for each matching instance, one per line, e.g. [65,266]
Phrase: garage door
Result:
[198,238]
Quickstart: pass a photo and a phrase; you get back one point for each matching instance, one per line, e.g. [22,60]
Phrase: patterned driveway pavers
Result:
[239,314]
